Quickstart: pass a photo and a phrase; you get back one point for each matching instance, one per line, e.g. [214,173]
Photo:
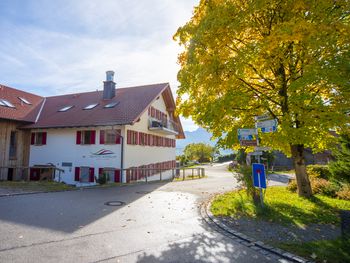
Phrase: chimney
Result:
[109,86]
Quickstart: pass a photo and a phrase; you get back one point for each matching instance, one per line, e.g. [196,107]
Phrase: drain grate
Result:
[143,192]
[115,203]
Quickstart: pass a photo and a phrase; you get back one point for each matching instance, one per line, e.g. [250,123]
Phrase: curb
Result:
[248,241]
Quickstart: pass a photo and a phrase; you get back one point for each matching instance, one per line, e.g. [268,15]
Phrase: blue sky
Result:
[56,47]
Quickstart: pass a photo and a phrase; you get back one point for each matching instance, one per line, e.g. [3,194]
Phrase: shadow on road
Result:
[201,248]
[69,211]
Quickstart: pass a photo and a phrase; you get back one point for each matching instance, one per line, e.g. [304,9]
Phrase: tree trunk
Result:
[303,182]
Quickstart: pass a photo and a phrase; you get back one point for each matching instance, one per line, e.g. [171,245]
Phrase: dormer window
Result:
[111,105]
[91,106]
[24,101]
[66,108]
[6,103]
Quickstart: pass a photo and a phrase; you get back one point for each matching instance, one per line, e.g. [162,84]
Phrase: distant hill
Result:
[197,136]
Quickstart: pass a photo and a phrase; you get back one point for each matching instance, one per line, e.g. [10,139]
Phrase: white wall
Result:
[61,147]
[137,155]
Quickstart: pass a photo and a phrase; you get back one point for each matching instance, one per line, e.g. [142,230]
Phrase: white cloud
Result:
[71,44]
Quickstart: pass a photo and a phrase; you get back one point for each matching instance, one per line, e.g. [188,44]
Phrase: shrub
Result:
[318,171]
[244,176]
[325,187]
[102,178]
[340,168]
[292,185]
[344,192]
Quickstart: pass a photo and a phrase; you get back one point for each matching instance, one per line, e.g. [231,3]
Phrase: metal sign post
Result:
[259,179]
[260,189]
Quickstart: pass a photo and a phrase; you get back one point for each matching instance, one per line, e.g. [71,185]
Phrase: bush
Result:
[340,168]
[292,185]
[102,178]
[244,176]
[325,187]
[318,171]
[344,192]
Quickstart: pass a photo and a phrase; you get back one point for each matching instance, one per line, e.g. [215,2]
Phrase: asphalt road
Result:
[159,222]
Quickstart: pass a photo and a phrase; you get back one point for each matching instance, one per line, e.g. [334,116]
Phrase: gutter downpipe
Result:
[121,156]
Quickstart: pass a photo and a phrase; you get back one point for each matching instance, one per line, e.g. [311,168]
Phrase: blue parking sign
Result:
[259,176]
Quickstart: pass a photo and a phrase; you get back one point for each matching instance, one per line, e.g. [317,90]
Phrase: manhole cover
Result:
[115,203]
[143,192]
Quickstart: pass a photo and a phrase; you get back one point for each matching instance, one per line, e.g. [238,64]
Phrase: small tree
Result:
[340,168]
[200,152]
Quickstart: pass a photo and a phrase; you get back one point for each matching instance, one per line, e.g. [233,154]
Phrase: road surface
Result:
[158,222]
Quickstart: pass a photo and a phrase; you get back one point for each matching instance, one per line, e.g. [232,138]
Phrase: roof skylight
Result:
[25,101]
[6,103]
[91,106]
[111,105]
[65,108]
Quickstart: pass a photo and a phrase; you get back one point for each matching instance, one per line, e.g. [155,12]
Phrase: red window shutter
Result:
[149,111]
[77,174]
[140,139]
[128,137]
[102,137]
[78,140]
[32,139]
[117,176]
[91,174]
[93,137]
[136,138]
[117,138]
[152,112]
[100,171]
[44,138]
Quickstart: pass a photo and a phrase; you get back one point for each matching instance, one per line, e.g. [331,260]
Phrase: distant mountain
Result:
[197,136]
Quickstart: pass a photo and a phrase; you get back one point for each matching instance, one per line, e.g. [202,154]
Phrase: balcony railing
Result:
[168,127]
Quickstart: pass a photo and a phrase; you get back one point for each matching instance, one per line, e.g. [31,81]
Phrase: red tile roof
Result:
[44,112]
[22,111]
[132,102]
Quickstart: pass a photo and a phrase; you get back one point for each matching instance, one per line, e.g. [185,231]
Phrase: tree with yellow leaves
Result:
[287,58]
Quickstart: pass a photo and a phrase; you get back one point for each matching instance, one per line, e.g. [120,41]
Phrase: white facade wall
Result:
[61,147]
[137,155]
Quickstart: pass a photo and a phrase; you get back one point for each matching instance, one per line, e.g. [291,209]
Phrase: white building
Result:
[87,134]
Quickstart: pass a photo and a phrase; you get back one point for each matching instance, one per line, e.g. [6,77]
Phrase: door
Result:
[10,174]
[34,174]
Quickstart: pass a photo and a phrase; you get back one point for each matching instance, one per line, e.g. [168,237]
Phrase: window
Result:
[113,175]
[24,100]
[111,105]
[84,174]
[6,103]
[91,106]
[132,137]
[86,137]
[13,145]
[38,138]
[110,136]
[66,108]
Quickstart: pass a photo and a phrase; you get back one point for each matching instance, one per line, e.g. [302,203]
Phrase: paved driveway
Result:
[159,222]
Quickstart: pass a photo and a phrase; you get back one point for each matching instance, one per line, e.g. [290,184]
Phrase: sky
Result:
[57,47]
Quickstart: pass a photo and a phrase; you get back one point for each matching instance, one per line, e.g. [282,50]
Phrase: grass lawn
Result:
[335,251]
[283,172]
[281,206]
[35,186]
[286,208]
